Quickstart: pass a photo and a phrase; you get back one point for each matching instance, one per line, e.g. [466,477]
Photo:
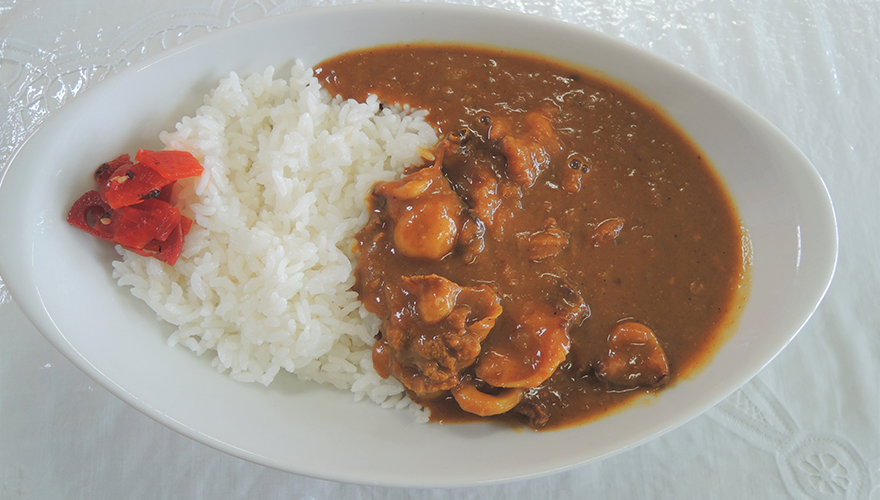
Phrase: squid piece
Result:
[607,231]
[472,400]
[546,243]
[634,358]
[485,195]
[525,350]
[527,354]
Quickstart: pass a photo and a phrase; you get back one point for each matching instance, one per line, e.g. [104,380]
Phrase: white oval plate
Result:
[61,276]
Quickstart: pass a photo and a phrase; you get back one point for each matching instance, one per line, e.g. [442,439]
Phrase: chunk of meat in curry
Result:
[435,331]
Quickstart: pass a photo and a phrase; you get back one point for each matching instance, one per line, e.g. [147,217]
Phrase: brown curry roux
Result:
[565,200]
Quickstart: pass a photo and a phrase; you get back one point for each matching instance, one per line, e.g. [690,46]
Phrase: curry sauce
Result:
[563,249]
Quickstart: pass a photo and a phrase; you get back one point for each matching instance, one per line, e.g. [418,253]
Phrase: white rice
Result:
[264,280]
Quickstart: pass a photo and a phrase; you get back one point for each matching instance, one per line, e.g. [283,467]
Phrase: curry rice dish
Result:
[560,248]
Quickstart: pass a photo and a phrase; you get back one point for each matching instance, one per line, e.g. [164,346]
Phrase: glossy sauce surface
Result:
[578,205]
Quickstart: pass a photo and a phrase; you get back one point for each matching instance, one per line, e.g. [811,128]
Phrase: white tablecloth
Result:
[808,426]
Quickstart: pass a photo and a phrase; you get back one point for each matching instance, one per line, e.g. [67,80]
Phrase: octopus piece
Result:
[471,239]
[570,302]
[484,195]
[546,243]
[526,159]
[468,166]
[434,332]
[607,231]
[573,176]
[572,181]
[541,128]
[528,153]
[634,358]
[425,212]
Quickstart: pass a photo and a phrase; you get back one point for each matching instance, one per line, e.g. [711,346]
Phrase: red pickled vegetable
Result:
[106,169]
[165,193]
[172,165]
[132,184]
[137,225]
[162,210]
[93,215]
[185,224]
[132,206]
[169,250]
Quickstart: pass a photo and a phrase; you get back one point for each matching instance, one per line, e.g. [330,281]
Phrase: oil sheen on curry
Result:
[563,248]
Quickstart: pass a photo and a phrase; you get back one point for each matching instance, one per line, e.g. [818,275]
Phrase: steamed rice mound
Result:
[265,275]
